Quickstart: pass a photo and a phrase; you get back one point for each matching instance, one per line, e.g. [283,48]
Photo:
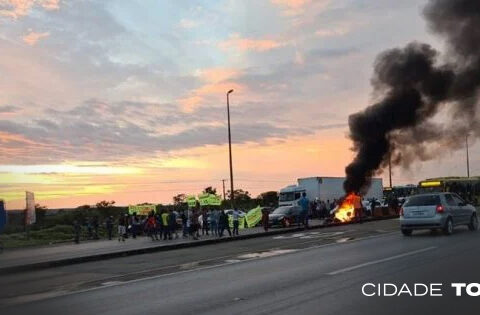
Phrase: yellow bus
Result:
[466,187]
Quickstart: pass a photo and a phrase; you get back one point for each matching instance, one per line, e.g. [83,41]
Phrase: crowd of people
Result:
[163,225]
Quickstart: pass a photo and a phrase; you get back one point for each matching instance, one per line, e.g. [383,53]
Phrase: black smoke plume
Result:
[414,84]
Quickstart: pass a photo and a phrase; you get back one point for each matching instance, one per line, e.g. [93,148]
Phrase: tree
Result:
[179,199]
[268,198]
[210,190]
[106,208]
[180,202]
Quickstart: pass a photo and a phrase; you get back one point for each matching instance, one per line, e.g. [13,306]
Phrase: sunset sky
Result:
[125,100]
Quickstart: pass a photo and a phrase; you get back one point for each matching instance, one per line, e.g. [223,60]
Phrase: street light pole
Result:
[223,183]
[230,150]
[468,160]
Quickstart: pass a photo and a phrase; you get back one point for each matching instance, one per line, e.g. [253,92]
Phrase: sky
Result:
[126,100]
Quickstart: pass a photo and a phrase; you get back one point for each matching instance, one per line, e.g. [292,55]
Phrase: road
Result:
[318,272]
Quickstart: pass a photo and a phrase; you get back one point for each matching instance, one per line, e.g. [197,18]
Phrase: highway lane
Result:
[325,279]
[27,286]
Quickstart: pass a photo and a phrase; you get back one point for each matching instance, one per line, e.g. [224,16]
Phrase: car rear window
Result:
[428,200]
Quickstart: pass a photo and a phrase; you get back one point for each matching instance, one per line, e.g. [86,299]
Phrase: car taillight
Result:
[440,209]
[401,211]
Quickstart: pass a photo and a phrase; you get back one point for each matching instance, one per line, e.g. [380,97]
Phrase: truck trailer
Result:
[324,188]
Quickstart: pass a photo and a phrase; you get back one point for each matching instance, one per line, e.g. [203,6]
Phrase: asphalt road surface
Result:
[316,272]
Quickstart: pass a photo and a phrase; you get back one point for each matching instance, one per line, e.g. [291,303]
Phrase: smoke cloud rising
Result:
[414,84]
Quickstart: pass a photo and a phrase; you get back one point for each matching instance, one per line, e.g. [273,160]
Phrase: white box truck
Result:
[323,188]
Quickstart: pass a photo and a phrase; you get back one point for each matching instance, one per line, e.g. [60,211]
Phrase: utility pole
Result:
[390,168]
[223,184]
[230,151]
[468,160]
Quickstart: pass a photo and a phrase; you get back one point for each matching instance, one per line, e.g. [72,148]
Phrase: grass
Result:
[56,234]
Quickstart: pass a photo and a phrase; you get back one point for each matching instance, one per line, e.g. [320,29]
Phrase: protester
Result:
[304,203]
[109,227]
[135,223]
[152,227]
[122,228]
[205,220]
[172,224]
[236,218]
[77,229]
[214,216]
[166,230]
[184,224]
[194,224]
[223,223]
[265,217]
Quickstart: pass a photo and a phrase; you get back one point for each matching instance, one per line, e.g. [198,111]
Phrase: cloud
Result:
[8,109]
[297,7]
[249,44]
[33,37]
[18,8]
[187,23]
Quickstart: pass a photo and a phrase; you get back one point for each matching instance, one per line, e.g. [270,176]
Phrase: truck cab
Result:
[290,195]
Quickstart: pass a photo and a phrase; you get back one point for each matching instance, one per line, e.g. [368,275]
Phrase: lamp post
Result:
[230,150]
[468,160]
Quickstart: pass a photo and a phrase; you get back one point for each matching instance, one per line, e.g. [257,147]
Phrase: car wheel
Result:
[448,228]
[406,232]
[473,225]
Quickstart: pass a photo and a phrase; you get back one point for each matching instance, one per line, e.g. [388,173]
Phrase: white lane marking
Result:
[269,253]
[373,262]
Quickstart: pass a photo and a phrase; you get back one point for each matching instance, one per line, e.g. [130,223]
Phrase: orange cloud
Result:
[33,37]
[247,44]
[217,82]
[18,8]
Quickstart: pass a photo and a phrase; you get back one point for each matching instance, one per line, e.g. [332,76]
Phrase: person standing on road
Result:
[122,228]
[205,227]
[184,224]
[194,225]
[166,232]
[304,203]
[214,222]
[265,218]
[152,226]
[236,218]
[77,229]
[172,224]
[223,223]
[109,227]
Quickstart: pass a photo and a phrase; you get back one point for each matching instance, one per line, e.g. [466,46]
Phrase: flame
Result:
[346,211]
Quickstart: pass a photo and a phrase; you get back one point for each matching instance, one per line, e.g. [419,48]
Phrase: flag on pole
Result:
[30,210]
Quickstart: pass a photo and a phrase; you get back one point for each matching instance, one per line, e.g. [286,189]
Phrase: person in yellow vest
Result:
[166,230]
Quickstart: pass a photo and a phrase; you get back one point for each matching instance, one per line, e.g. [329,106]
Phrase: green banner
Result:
[214,200]
[241,222]
[203,199]
[254,216]
[192,201]
[209,200]
[141,210]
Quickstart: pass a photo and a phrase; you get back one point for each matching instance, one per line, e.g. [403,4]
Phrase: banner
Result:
[142,209]
[191,201]
[203,199]
[214,200]
[254,216]
[241,221]
[3,215]
[30,217]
